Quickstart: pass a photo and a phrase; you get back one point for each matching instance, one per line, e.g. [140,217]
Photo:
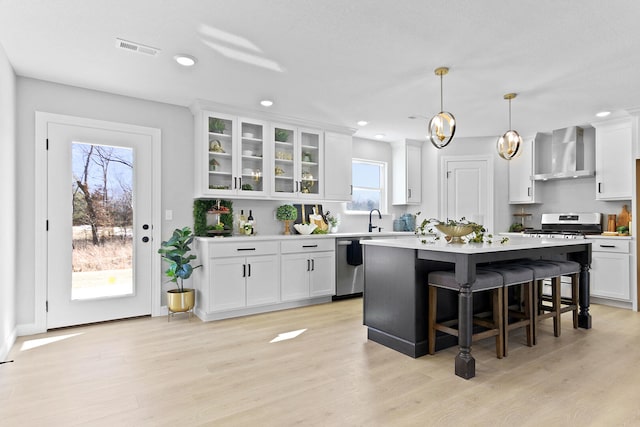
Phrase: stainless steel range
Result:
[567,226]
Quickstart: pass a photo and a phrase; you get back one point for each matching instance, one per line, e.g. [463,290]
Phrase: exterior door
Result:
[467,191]
[99,212]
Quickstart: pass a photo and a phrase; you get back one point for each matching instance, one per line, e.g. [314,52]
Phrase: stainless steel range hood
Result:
[567,156]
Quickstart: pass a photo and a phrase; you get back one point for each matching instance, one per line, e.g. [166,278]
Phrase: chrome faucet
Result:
[371,226]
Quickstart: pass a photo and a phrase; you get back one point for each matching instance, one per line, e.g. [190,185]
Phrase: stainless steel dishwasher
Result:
[349,278]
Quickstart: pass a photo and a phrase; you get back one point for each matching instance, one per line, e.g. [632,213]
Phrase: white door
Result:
[99,212]
[468,191]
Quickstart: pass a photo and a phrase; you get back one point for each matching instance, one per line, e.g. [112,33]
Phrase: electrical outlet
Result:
[168,215]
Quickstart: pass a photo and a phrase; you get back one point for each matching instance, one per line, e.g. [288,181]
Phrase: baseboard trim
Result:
[8,344]
[30,329]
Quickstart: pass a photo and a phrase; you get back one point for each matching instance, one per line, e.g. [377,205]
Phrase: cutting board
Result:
[623,217]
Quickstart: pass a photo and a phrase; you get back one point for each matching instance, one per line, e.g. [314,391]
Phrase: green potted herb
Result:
[286,213]
[176,252]
[216,125]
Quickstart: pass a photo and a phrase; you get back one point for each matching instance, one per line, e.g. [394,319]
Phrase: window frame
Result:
[383,188]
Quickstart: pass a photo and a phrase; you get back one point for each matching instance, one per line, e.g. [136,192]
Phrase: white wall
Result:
[480,146]
[8,219]
[176,124]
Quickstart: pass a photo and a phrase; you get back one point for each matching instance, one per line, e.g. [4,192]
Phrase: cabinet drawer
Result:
[217,250]
[307,245]
[609,245]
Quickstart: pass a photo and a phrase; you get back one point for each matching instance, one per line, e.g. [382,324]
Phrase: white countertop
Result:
[589,236]
[263,237]
[514,243]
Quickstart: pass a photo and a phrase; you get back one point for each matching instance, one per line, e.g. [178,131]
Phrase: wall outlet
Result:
[168,215]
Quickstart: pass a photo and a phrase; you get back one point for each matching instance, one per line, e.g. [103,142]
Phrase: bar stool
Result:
[485,281]
[544,270]
[570,269]
[513,275]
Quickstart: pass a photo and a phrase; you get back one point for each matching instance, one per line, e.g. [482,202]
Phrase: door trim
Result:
[444,160]
[40,260]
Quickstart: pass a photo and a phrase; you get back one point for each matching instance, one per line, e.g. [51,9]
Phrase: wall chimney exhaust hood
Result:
[568,156]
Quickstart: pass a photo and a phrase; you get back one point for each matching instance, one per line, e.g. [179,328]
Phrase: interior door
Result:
[99,200]
[466,191]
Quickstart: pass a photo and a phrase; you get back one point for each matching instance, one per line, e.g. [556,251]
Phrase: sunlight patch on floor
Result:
[287,335]
[28,345]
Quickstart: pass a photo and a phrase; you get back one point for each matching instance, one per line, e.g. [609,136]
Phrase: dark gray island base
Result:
[396,297]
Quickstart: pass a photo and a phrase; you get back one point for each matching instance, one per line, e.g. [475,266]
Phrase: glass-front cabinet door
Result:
[310,155]
[285,180]
[252,155]
[221,130]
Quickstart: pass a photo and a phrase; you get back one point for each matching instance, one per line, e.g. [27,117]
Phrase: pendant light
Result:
[509,144]
[442,126]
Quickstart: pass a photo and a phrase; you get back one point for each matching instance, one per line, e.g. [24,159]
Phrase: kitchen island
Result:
[396,296]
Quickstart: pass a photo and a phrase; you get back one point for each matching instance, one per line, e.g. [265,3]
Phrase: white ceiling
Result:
[340,61]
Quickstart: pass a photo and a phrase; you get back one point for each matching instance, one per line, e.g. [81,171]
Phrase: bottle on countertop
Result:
[251,222]
[241,220]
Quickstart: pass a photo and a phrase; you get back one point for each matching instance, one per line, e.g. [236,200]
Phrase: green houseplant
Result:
[286,213]
[176,252]
[216,125]
[281,135]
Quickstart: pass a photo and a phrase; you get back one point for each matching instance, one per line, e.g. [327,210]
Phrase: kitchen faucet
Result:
[371,227]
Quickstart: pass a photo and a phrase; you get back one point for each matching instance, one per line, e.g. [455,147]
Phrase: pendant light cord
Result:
[441,97]
[509,114]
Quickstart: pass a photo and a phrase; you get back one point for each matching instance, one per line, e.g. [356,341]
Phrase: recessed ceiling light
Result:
[185,60]
[363,123]
[603,113]
[379,136]
[266,103]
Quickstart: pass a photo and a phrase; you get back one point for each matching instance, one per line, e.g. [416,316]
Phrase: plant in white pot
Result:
[176,252]
[286,213]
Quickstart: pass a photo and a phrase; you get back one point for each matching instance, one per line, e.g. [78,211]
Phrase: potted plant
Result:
[176,252]
[333,221]
[286,213]
[281,135]
[216,125]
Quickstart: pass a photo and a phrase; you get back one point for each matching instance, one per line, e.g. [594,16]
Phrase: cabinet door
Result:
[322,278]
[521,186]
[227,283]
[294,277]
[253,155]
[338,153]
[262,280]
[310,168]
[285,156]
[610,275]
[221,167]
[614,160]
[414,174]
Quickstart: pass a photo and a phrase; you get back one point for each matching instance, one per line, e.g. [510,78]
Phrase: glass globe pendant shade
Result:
[442,127]
[509,145]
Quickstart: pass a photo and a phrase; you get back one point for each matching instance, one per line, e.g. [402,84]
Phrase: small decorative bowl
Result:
[305,228]
[247,135]
[247,153]
[454,232]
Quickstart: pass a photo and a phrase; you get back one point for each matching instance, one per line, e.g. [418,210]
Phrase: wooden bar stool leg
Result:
[498,314]
[574,298]
[528,311]
[433,304]
[536,308]
[505,316]
[556,296]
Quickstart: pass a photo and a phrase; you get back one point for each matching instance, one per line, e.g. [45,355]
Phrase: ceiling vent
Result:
[136,47]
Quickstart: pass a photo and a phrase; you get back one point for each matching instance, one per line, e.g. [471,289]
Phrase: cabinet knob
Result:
[145,239]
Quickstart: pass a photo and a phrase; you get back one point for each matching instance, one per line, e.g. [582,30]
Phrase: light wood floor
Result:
[147,372]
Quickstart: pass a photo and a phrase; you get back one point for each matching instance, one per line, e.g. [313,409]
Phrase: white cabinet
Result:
[338,153]
[236,155]
[307,268]
[521,169]
[298,162]
[610,269]
[407,175]
[240,275]
[614,159]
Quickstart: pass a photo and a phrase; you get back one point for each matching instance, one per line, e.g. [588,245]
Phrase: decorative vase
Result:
[333,229]
[287,226]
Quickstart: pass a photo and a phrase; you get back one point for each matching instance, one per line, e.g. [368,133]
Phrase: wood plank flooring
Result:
[147,372]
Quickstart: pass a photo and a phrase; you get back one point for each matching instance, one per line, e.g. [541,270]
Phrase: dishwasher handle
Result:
[344,243]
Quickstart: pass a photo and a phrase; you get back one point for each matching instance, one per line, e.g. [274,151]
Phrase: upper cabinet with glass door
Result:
[236,153]
[297,162]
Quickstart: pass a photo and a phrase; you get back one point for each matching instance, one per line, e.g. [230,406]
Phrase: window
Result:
[369,186]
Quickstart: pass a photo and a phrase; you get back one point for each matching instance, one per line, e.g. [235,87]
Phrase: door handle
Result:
[240,182]
[309,246]
[607,246]
[599,187]
[529,191]
[249,270]
[313,265]
[308,265]
[235,182]
[244,270]
[145,239]
[409,193]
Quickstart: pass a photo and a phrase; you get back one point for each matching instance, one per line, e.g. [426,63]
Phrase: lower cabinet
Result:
[307,275]
[250,276]
[243,282]
[610,269]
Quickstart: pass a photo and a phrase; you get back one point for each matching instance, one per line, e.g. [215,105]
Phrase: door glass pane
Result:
[252,157]
[310,145]
[220,154]
[284,160]
[102,189]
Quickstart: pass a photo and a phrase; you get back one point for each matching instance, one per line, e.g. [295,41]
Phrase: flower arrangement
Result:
[454,231]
